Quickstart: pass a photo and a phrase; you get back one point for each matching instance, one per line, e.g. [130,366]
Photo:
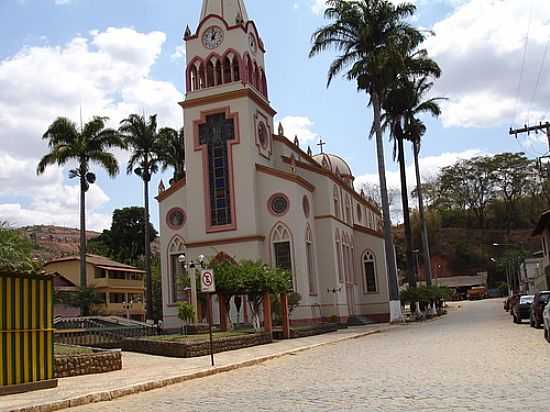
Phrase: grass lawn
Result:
[204,337]
[62,350]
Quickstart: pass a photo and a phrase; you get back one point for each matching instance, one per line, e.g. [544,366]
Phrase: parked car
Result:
[546,322]
[539,303]
[521,308]
[477,292]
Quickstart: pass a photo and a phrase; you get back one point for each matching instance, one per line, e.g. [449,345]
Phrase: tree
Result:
[15,250]
[86,146]
[124,241]
[143,139]
[173,151]
[374,40]
[513,173]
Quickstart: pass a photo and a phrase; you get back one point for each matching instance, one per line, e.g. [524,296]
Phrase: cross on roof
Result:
[321,144]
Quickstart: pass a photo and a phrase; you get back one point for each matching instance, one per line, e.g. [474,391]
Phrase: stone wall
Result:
[308,331]
[99,362]
[191,350]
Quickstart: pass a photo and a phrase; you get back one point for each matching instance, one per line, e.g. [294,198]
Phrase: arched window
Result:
[336,199]
[177,269]
[202,76]
[369,272]
[339,257]
[227,70]
[236,69]
[218,72]
[348,209]
[310,263]
[256,76]
[193,78]
[281,242]
[264,84]
[250,69]
[210,74]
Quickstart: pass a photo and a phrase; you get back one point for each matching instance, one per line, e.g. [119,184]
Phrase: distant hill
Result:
[52,242]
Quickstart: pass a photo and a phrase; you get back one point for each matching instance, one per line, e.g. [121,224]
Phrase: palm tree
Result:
[414,131]
[88,145]
[373,40]
[173,151]
[143,139]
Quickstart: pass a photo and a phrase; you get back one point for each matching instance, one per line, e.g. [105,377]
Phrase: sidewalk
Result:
[141,373]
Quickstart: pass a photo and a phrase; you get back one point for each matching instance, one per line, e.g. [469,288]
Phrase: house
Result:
[543,231]
[117,284]
[252,193]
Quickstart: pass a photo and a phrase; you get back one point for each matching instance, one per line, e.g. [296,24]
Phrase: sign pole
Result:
[210,327]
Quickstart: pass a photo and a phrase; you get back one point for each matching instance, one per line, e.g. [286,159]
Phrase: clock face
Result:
[212,37]
[252,43]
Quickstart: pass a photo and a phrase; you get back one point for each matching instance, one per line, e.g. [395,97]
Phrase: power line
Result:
[525,47]
[542,64]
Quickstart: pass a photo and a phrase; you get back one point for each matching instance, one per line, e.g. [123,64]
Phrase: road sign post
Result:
[208,286]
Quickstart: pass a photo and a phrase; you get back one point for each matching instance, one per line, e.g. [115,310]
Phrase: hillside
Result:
[459,251]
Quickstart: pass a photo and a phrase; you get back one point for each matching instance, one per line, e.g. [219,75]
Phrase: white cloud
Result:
[179,53]
[62,2]
[51,200]
[107,73]
[300,126]
[480,47]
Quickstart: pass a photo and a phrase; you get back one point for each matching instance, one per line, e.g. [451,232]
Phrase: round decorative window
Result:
[262,134]
[278,204]
[305,205]
[359,213]
[175,218]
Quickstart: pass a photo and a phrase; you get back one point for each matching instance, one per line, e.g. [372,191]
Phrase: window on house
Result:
[135,297]
[336,198]
[176,268]
[102,297]
[117,298]
[348,210]
[100,273]
[369,269]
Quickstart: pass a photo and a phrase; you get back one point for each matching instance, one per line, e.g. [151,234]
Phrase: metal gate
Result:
[26,330]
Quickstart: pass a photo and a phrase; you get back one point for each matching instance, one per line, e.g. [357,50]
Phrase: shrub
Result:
[186,312]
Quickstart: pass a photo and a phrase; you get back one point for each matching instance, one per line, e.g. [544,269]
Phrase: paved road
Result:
[475,359]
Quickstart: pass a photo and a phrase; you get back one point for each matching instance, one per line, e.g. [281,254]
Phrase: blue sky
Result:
[118,57]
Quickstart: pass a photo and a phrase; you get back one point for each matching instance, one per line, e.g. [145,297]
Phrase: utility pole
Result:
[543,161]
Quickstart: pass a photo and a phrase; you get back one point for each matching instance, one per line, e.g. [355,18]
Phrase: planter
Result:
[191,350]
[308,331]
[87,364]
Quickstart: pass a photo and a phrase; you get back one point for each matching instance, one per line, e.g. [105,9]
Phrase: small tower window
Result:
[236,69]
[227,70]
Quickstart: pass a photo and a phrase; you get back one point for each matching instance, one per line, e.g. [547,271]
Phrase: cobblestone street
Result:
[474,359]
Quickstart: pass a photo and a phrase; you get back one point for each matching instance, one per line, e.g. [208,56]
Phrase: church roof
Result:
[334,163]
[228,9]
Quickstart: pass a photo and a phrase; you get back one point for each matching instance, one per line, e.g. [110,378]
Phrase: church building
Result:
[251,193]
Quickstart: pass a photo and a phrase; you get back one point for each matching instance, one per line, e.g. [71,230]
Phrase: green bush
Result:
[15,250]
[186,312]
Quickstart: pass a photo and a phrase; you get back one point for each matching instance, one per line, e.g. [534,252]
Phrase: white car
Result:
[546,320]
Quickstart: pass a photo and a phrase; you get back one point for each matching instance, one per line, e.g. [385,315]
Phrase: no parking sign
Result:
[207,281]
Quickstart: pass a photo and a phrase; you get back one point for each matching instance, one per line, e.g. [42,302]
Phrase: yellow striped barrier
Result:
[26,332]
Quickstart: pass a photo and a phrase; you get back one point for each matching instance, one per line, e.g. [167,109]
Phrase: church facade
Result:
[252,193]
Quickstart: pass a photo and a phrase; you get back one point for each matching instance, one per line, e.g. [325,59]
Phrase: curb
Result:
[110,395]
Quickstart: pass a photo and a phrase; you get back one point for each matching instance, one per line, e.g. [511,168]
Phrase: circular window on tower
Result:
[305,205]
[278,204]
[175,218]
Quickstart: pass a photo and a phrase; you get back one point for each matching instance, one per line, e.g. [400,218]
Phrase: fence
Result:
[26,330]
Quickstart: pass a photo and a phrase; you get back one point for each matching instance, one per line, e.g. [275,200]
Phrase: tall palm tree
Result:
[414,131]
[173,151]
[143,139]
[373,40]
[86,146]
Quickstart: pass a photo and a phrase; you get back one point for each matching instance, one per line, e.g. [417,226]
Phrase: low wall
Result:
[100,362]
[308,331]
[191,350]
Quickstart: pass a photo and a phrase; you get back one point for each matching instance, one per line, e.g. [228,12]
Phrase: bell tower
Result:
[227,118]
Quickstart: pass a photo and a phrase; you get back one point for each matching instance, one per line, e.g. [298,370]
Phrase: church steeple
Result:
[233,11]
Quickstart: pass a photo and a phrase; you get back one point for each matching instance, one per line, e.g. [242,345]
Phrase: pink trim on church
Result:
[198,147]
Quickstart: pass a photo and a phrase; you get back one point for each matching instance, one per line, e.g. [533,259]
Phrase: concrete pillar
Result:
[268,322]
[284,316]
